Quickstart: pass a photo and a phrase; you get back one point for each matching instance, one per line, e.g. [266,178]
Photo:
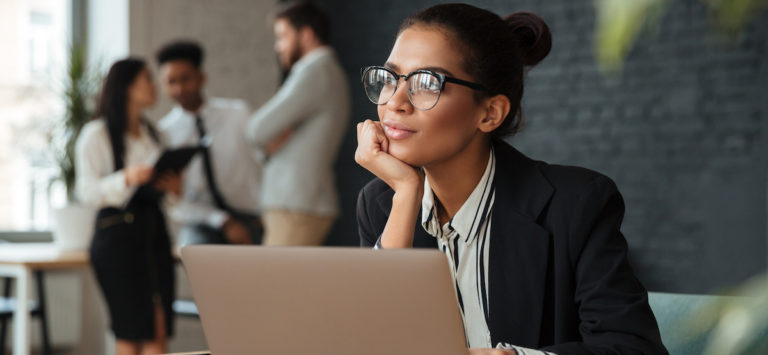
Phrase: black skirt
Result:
[131,257]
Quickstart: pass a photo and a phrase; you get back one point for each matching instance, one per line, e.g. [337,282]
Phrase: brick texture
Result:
[682,130]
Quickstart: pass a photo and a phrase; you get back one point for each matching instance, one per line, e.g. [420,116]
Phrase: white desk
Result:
[20,260]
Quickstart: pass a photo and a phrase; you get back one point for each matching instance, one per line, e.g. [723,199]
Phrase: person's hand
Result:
[236,232]
[492,352]
[408,183]
[137,174]
[373,154]
[278,142]
[169,182]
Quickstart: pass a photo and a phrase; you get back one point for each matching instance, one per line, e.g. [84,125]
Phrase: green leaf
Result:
[78,93]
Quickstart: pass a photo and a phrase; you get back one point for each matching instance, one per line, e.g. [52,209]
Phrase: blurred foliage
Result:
[734,325]
[620,23]
[80,86]
[731,16]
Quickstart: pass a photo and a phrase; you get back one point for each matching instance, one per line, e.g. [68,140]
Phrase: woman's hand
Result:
[169,182]
[138,174]
[408,183]
[373,154]
[236,232]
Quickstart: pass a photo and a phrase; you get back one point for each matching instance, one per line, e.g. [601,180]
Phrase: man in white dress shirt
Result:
[299,196]
[220,199]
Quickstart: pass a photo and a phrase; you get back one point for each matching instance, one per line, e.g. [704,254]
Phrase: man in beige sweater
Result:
[299,199]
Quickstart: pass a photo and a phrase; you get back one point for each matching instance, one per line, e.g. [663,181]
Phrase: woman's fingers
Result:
[147,173]
[373,154]
[378,137]
[381,137]
[170,182]
[368,144]
[138,174]
[359,129]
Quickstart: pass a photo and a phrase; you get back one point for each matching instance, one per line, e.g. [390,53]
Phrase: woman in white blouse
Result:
[130,251]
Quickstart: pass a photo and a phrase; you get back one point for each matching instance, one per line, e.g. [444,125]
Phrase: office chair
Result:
[37,309]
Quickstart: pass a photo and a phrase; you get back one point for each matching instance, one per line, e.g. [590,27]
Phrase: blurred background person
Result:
[131,249]
[299,197]
[219,203]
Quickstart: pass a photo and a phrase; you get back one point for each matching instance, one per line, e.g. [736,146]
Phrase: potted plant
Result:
[621,22]
[737,326]
[73,223]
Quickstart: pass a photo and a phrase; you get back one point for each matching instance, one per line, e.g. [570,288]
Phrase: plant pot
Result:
[73,227]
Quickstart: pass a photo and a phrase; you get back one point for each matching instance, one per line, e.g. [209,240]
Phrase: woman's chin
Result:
[405,154]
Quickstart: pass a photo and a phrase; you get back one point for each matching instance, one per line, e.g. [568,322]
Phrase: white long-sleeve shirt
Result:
[236,171]
[97,183]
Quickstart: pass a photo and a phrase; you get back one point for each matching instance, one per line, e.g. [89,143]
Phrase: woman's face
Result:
[141,93]
[422,138]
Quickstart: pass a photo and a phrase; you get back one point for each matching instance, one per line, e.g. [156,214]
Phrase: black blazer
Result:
[558,273]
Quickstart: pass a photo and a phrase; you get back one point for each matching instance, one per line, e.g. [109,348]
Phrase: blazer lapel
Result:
[519,250]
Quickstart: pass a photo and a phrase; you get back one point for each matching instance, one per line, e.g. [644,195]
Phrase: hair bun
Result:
[532,34]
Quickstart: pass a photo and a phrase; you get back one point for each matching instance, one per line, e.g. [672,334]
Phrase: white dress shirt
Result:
[465,240]
[235,170]
[97,183]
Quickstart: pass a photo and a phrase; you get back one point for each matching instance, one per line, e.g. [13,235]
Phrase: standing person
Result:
[535,250]
[220,199]
[299,196]
[131,250]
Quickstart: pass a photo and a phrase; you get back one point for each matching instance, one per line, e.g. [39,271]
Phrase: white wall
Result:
[236,35]
[107,31]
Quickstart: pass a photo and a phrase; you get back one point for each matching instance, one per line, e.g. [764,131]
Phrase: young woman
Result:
[130,251]
[535,249]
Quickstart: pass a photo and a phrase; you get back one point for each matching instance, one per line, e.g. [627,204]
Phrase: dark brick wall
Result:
[681,130]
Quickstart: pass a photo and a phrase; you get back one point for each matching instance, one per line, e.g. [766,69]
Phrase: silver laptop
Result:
[270,300]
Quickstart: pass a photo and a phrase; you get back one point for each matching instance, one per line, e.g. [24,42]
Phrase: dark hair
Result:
[184,50]
[305,13]
[497,50]
[113,103]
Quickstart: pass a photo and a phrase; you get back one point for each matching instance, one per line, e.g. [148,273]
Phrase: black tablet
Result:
[172,160]
[175,160]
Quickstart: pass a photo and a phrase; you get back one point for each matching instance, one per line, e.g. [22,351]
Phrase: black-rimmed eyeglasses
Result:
[424,86]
